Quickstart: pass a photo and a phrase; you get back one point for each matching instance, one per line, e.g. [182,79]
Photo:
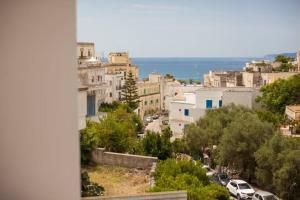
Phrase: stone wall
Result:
[100,156]
[177,195]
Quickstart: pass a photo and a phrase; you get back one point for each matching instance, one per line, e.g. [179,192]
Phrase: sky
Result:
[190,28]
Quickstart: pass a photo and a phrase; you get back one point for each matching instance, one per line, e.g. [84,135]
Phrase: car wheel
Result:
[238,197]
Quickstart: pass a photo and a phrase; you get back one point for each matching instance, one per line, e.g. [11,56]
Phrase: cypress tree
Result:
[130,92]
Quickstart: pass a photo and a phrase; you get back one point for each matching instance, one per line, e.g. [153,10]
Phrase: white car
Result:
[241,189]
[149,119]
[264,195]
[209,171]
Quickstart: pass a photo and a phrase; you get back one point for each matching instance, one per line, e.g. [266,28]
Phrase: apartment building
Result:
[172,88]
[119,62]
[149,91]
[223,79]
[268,78]
[91,74]
[258,66]
[115,84]
[187,108]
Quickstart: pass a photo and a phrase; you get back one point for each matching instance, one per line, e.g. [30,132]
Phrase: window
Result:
[156,100]
[89,53]
[110,94]
[81,52]
[92,79]
[144,91]
[186,112]
[179,110]
[220,103]
[208,103]
[98,77]
[179,124]
[233,184]
[151,102]
[110,82]
[145,103]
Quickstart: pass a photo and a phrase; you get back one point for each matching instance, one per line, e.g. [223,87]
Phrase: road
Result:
[155,125]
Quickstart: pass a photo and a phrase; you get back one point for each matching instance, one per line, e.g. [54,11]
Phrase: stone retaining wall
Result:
[100,156]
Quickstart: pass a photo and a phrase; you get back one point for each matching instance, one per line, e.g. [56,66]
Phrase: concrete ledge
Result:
[176,195]
[100,156]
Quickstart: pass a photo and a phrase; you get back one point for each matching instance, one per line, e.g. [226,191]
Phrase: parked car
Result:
[165,122]
[264,195]
[220,178]
[156,116]
[241,189]
[209,170]
[149,119]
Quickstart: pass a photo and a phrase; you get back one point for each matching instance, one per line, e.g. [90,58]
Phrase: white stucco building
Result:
[188,107]
[115,83]
[82,106]
[172,88]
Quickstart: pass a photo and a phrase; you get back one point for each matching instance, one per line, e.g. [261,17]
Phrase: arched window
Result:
[89,53]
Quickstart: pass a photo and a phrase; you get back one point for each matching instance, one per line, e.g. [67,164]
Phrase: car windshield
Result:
[223,176]
[244,186]
[270,197]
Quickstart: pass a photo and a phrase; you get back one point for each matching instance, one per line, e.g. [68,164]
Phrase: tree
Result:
[179,146]
[158,145]
[182,82]
[241,139]
[196,139]
[283,59]
[130,92]
[169,76]
[208,130]
[109,107]
[278,166]
[172,175]
[89,140]
[276,96]
[116,132]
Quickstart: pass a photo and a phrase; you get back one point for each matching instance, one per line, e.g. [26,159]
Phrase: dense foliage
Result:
[278,166]
[109,107]
[116,132]
[236,131]
[285,65]
[88,188]
[130,92]
[241,139]
[154,144]
[276,96]
[209,130]
[172,175]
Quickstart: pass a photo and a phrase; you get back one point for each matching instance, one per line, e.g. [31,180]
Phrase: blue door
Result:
[91,105]
[208,103]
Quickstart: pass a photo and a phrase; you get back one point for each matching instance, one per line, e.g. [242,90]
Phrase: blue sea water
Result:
[187,68]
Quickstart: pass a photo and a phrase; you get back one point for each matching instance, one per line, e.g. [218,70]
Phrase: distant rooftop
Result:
[85,43]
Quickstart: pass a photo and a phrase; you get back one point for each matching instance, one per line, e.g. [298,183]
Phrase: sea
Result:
[188,68]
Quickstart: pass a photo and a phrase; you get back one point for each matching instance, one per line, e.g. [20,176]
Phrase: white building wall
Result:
[198,106]
[82,108]
[173,88]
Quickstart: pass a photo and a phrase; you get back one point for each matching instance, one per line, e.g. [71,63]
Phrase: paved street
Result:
[155,125]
